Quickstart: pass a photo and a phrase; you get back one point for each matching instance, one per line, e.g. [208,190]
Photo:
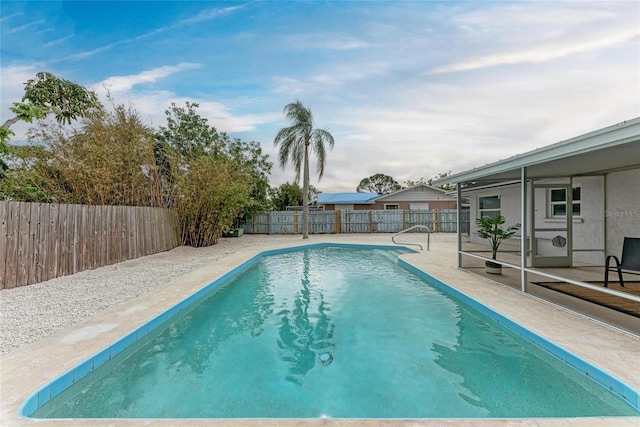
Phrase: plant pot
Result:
[493,267]
[234,232]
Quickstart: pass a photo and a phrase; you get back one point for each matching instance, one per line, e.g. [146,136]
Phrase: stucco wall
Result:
[588,229]
[509,208]
[622,212]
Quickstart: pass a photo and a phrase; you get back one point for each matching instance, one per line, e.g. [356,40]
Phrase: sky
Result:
[409,89]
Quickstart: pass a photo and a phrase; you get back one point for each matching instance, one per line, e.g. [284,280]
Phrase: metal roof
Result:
[403,190]
[346,198]
[609,149]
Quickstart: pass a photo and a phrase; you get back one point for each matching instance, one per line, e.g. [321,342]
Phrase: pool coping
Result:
[192,289]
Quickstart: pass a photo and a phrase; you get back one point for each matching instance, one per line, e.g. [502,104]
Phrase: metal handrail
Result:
[393,238]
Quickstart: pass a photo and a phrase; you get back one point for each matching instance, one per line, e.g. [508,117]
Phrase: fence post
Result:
[436,225]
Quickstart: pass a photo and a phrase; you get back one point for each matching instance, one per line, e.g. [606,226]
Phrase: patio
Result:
[610,309]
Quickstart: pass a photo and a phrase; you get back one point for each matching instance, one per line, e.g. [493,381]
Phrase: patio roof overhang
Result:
[613,148]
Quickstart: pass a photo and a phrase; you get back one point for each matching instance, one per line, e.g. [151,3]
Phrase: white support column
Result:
[459,222]
[523,229]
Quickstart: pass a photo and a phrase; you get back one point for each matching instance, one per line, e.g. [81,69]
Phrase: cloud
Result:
[325,42]
[543,52]
[58,41]
[86,54]
[125,83]
[12,89]
[13,15]
[330,77]
[531,14]
[201,17]
[26,26]
[209,14]
[153,103]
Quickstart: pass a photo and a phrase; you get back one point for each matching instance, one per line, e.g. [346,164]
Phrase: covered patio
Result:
[575,201]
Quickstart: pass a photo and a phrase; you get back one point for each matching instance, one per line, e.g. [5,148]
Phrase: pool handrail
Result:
[393,238]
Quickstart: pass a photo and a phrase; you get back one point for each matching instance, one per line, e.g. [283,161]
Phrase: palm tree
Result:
[296,141]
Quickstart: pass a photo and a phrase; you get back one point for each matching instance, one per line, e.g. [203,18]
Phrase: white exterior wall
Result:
[588,229]
[622,212]
[509,208]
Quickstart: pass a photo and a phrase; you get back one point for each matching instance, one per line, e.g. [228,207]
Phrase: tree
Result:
[412,183]
[296,142]
[108,161]
[44,95]
[447,187]
[212,194]
[207,171]
[249,156]
[187,132]
[378,183]
[285,195]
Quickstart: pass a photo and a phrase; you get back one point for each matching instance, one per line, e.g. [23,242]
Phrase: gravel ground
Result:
[29,313]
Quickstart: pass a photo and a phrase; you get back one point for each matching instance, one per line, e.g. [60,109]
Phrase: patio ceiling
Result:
[613,148]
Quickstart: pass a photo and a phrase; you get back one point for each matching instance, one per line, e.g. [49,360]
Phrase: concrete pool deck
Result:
[26,369]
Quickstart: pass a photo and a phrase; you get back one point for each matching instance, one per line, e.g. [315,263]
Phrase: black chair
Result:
[630,263]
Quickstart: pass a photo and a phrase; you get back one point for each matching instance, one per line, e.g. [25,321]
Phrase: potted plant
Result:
[490,228]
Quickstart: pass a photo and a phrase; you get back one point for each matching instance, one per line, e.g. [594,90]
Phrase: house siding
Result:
[433,204]
[436,199]
[416,194]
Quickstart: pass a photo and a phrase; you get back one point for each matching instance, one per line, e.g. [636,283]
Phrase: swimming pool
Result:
[326,339]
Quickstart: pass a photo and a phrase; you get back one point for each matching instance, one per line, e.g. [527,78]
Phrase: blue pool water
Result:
[342,332]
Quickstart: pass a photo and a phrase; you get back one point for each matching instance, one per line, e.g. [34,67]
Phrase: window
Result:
[388,206]
[558,202]
[489,206]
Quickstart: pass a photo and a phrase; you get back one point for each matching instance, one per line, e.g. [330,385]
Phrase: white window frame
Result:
[391,206]
[491,211]
[576,202]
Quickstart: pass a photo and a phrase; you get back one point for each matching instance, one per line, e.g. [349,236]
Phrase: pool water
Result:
[332,332]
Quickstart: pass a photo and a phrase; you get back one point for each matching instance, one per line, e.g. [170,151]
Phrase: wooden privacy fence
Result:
[356,221]
[40,241]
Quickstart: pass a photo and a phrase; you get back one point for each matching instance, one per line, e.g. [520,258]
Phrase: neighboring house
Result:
[581,197]
[418,197]
[346,201]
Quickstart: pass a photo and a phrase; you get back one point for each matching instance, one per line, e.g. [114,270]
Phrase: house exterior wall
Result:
[588,228]
[379,205]
[509,208]
[433,204]
[622,212]
[420,194]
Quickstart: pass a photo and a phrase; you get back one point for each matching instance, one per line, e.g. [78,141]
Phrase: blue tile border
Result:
[65,380]
[606,380]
